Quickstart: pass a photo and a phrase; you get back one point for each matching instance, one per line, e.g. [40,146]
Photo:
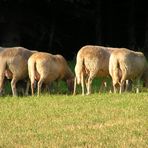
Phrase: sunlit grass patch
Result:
[59,120]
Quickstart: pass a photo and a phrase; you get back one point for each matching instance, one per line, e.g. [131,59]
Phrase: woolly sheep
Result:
[13,66]
[91,61]
[46,68]
[127,65]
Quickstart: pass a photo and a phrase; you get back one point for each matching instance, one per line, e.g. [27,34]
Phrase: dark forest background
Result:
[64,26]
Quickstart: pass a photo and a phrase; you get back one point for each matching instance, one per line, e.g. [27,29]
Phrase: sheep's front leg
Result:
[27,88]
[137,85]
[103,86]
[128,86]
[75,85]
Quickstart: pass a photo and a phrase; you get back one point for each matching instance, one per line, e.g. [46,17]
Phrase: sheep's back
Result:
[16,60]
[131,63]
[47,65]
[96,59]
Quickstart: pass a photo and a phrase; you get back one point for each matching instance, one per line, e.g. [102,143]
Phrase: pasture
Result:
[62,120]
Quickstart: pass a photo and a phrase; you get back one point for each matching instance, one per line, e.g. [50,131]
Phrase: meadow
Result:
[61,120]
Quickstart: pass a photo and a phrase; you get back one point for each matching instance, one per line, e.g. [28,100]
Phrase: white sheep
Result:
[46,68]
[127,65]
[13,66]
[92,61]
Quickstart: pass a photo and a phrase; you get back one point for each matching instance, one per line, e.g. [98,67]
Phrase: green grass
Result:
[99,120]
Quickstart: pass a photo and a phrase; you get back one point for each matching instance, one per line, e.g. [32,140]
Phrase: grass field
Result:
[99,120]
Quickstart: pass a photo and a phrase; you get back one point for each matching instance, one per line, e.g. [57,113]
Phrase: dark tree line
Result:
[63,26]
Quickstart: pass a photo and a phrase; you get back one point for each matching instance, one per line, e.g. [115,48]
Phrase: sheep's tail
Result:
[78,72]
[79,69]
[31,69]
[114,68]
[31,72]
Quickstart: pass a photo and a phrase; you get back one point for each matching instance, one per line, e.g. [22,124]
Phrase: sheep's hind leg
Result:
[32,88]
[40,82]
[13,86]
[115,85]
[1,84]
[122,84]
[90,79]
[82,84]
[2,76]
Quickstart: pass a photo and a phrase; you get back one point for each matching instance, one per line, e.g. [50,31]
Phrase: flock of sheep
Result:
[21,64]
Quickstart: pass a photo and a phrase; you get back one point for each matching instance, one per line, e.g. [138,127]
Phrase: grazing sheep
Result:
[21,85]
[13,66]
[92,61]
[46,68]
[127,65]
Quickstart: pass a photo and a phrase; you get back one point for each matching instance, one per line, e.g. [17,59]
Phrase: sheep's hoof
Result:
[137,90]
[74,94]
[88,94]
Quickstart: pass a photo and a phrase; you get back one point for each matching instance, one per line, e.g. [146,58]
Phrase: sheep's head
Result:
[70,84]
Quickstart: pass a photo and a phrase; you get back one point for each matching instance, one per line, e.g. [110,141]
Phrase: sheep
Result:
[127,65]
[13,66]
[92,61]
[46,68]
[19,86]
